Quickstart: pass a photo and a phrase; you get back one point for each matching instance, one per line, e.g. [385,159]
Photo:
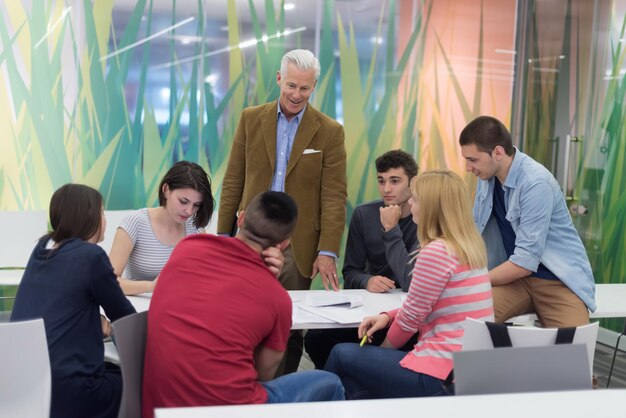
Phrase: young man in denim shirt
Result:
[537,261]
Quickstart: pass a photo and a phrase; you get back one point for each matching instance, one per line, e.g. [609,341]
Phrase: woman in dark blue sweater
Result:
[67,279]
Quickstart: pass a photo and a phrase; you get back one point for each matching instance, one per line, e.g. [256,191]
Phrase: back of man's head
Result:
[486,133]
[397,159]
[269,219]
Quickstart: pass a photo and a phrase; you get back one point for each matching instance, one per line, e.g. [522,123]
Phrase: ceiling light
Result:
[52,26]
[505,51]
[211,79]
[146,39]
[243,44]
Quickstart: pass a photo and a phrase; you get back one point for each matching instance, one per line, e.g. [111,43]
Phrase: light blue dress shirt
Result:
[285,135]
[536,209]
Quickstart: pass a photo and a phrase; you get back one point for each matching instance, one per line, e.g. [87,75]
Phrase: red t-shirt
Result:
[214,304]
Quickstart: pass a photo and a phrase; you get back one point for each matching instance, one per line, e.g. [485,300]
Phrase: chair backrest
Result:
[25,379]
[130,338]
[476,337]
[114,219]
[521,369]
[20,232]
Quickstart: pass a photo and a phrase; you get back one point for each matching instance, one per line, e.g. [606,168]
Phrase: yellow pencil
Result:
[363,340]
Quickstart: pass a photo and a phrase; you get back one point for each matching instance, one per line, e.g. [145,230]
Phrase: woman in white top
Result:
[145,239]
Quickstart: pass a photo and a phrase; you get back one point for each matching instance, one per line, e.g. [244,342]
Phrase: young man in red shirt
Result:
[219,320]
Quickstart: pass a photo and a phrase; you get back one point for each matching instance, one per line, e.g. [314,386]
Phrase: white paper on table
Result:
[295,298]
[333,299]
[299,316]
[339,315]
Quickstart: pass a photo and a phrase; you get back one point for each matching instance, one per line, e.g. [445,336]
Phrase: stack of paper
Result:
[339,315]
[337,299]
[335,307]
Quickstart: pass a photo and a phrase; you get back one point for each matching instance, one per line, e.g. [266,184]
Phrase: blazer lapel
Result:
[306,131]
[268,128]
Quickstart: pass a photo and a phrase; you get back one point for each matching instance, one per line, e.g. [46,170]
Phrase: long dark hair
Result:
[188,175]
[75,212]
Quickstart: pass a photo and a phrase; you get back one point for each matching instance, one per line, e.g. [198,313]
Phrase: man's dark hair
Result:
[188,175]
[487,133]
[75,212]
[397,159]
[269,218]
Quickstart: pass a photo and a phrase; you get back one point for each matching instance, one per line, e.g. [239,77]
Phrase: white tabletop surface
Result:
[373,303]
[140,302]
[575,404]
[610,303]
[610,299]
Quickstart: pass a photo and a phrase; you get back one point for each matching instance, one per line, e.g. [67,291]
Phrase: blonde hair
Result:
[445,213]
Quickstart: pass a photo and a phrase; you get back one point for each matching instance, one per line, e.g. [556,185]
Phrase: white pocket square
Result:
[310,151]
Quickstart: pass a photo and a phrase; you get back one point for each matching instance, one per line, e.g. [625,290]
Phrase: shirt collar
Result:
[515,170]
[298,116]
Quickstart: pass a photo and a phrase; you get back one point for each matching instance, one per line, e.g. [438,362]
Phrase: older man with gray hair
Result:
[288,146]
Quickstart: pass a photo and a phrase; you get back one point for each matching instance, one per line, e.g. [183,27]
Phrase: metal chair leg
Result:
[608,381]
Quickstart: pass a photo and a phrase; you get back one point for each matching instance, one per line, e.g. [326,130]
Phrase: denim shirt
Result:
[544,231]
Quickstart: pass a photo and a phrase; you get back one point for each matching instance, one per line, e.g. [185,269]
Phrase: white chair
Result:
[20,232]
[476,337]
[25,379]
[526,359]
[130,338]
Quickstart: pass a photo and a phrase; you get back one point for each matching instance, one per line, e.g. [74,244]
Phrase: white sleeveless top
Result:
[149,255]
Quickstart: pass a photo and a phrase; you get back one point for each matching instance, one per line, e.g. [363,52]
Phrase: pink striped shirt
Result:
[442,294]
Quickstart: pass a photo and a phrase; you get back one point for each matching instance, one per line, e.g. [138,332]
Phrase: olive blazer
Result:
[315,179]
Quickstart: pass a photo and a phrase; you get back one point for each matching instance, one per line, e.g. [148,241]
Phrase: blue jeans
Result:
[371,372]
[309,386]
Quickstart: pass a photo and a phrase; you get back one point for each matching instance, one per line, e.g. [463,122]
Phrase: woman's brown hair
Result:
[75,212]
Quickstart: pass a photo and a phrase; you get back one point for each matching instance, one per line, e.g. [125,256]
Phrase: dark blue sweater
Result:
[66,287]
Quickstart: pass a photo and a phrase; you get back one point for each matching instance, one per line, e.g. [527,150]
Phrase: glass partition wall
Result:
[570,114]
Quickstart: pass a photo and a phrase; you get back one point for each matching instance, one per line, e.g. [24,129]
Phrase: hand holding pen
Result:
[370,325]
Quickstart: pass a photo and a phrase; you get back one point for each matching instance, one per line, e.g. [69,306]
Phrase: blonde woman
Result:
[449,284]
